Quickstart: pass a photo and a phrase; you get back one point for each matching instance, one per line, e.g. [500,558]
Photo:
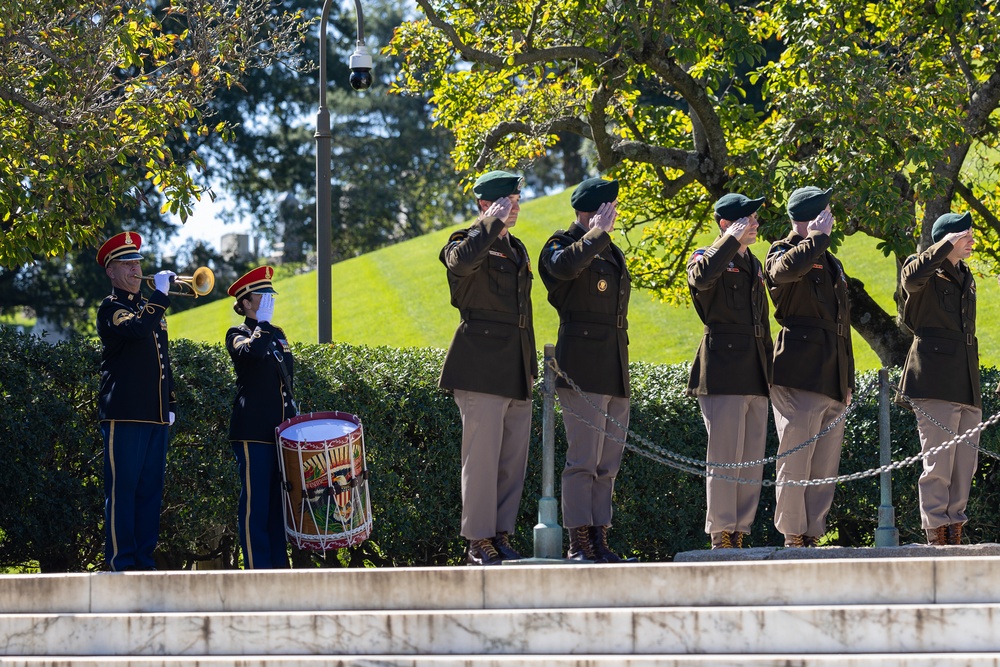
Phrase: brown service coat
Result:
[809,290]
[940,309]
[590,286]
[493,351]
[727,289]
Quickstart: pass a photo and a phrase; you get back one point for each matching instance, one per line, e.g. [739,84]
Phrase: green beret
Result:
[808,202]
[593,192]
[493,185]
[734,206]
[950,222]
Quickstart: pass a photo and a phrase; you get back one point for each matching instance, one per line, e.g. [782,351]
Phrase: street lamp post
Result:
[361,65]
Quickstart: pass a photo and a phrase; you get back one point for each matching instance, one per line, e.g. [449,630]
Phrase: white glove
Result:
[265,311]
[162,280]
[172,417]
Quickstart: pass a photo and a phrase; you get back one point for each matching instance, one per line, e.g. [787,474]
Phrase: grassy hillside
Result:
[398,296]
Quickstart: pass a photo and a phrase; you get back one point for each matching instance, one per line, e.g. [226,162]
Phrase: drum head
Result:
[318,430]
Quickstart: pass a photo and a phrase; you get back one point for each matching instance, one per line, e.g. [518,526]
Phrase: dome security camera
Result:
[361,68]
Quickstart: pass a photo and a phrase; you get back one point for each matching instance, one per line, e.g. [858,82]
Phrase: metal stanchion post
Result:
[548,532]
[886,535]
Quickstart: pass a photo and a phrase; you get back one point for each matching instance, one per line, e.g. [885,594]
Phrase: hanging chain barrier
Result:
[694,466]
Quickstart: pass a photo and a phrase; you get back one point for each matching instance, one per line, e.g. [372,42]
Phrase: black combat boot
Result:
[580,546]
[599,538]
[482,552]
[502,544]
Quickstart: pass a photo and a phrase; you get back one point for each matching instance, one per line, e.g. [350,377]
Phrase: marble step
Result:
[791,582]
[593,660]
[805,629]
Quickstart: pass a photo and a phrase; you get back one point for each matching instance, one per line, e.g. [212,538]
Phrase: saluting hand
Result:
[605,216]
[823,222]
[954,237]
[265,311]
[500,209]
[739,228]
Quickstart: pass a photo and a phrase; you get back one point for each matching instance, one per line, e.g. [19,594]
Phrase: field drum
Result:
[325,481]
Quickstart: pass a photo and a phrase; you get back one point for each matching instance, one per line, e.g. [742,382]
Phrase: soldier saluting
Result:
[491,365]
[589,284]
[941,374]
[813,363]
[731,372]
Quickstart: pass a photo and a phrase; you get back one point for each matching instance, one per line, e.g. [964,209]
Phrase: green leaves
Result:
[97,101]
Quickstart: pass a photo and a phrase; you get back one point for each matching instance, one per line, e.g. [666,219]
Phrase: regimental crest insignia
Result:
[602,285]
[128,238]
[268,272]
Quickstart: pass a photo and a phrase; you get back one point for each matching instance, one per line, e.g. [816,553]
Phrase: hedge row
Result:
[51,491]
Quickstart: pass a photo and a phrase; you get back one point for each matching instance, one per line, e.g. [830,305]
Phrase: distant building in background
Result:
[236,247]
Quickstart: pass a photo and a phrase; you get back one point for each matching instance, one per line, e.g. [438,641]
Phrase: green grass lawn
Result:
[398,296]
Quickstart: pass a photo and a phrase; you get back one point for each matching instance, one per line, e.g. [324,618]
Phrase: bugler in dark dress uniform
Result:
[731,372]
[491,366]
[136,404]
[813,363]
[941,374]
[264,371]
[589,284]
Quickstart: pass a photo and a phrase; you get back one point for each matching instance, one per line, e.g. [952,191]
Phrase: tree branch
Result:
[698,101]
[970,78]
[506,128]
[977,205]
[529,57]
[983,103]
[673,158]
[598,118]
[31,107]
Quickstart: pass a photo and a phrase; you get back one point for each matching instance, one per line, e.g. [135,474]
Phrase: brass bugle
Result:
[199,284]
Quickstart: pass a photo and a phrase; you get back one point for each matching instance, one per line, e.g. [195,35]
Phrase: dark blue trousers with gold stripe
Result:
[135,456]
[260,521]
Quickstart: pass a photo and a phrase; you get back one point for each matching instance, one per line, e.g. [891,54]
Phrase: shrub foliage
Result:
[51,498]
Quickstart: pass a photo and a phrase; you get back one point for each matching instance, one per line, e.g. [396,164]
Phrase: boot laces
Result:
[485,545]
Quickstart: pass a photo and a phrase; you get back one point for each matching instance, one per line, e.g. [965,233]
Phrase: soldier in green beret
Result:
[732,367]
[491,365]
[941,374]
[589,284]
[813,363]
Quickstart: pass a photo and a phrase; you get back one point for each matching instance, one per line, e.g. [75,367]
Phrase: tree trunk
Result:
[572,162]
[879,329]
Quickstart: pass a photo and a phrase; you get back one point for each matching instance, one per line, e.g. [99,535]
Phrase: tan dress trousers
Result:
[947,477]
[799,415]
[496,431]
[593,459]
[737,432]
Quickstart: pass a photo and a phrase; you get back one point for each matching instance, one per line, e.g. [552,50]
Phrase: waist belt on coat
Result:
[815,322]
[948,334]
[755,330]
[619,321]
[495,316]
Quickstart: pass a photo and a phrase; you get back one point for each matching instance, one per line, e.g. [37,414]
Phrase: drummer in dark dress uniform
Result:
[264,369]
[731,373]
[491,365]
[589,284]
[813,363]
[941,374]
[136,404]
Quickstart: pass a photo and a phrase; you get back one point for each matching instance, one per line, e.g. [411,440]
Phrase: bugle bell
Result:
[199,284]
